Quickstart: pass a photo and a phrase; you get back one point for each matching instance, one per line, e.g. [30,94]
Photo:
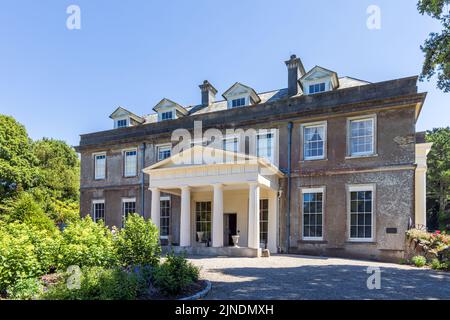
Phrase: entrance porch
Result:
[220,200]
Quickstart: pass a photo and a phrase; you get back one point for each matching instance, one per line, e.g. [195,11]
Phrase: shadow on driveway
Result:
[321,282]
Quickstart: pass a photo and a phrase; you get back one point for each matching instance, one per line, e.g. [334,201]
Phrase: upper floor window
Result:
[164,152]
[238,102]
[122,123]
[100,166]
[168,115]
[98,210]
[265,146]
[231,144]
[130,163]
[316,88]
[314,137]
[361,138]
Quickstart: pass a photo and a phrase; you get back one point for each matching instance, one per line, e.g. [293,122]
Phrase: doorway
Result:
[229,228]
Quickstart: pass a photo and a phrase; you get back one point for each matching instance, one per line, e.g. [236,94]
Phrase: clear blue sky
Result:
[60,83]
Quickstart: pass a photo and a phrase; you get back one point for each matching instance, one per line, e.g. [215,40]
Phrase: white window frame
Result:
[166,113]
[127,122]
[356,188]
[164,145]
[127,200]
[351,154]
[325,140]
[103,176]
[98,201]
[317,84]
[313,190]
[165,198]
[124,157]
[273,132]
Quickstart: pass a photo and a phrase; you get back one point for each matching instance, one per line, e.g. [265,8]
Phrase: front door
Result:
[229,228]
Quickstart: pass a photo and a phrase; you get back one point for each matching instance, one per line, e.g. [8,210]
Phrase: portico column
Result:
[185,218]
[253,216]
[217,223]
[156,203]
[272,222]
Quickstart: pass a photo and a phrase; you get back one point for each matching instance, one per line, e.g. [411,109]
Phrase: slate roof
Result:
[269,96]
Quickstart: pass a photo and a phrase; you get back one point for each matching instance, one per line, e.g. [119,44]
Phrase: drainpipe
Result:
[288,209]
[143,147]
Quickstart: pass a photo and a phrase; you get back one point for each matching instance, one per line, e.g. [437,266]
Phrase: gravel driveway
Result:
[302,277]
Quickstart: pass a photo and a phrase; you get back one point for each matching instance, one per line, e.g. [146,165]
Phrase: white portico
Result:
[222,194]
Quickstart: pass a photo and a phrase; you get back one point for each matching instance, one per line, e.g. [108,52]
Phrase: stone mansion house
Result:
[327,166]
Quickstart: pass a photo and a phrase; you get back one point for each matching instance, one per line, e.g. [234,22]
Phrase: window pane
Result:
[313,144]
[312,215]
[361,136]
[361,214]
[130,163]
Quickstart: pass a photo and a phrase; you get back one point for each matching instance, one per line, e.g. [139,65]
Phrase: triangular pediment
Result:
[239,89]
[318,73]
[169,104]
[122,112]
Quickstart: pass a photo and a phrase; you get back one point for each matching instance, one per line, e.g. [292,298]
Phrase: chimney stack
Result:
[295,72]
[208,93]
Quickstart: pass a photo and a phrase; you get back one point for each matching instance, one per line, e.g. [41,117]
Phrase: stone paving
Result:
[292,277]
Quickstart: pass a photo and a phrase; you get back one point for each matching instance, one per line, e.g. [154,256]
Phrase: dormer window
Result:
[124,118]
[240,95]
[168,115]
[238,102]
[169,110]
[122,123]
[318,80]
[316,88]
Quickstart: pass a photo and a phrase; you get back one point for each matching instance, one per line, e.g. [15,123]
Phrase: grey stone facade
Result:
[395,104]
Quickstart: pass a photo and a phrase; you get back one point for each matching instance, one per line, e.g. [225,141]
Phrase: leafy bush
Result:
[24,208]
[85,243]
[25,252]
[25,289]
[97,283]
[419,261]
[175,274]
[138,243]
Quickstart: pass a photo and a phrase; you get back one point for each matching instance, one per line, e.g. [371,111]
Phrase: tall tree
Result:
[438,176]
[437,47]
[17,162]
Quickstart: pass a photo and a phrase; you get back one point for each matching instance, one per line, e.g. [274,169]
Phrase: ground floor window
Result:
[361,212]
[165,217]
[98,210]
[203,219]
[312,206]
[263,220]
[128,207]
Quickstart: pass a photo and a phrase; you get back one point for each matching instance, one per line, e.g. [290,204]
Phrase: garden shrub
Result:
[97,283]
[85,243]
[419,261]
[24,208]
[25,252]
[138,243]
[175,274]
[25,289]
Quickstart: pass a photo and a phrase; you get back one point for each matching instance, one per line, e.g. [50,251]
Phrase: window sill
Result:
[130,177]
[313,160]
[371,242]
[363,156]
[306,241]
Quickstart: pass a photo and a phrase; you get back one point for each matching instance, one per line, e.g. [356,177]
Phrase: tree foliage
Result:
[39,180]
[17,161]
[438,176]
[437,47]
